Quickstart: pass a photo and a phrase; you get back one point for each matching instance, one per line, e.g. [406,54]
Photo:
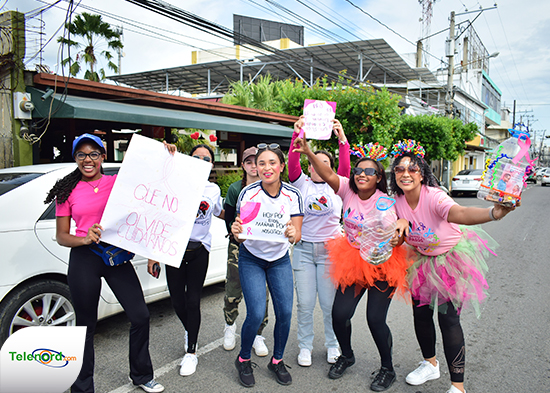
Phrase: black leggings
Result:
[185,285]
[84,278]
[453,337]
[378,303]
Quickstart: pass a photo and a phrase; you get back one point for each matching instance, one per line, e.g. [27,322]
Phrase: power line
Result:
[389,28]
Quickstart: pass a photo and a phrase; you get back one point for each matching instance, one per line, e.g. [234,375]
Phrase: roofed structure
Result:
[369,60]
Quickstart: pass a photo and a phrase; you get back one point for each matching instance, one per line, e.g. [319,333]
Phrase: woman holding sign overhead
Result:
[310,262]
[185,283]
[352,274]
[82,196]
[270,215]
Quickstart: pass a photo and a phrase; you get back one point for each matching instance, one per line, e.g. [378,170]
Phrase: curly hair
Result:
[63,187]
[428,178]
[382,185]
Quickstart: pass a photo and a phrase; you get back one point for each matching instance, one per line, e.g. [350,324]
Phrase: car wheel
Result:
[454,193]
[40,303]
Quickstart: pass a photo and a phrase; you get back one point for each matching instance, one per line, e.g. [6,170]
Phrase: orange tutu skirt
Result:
[348,268]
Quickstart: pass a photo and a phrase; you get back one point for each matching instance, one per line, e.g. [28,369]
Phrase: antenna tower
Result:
[427,12]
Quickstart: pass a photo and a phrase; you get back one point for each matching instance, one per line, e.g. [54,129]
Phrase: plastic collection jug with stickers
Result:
[506,169]
[375,245]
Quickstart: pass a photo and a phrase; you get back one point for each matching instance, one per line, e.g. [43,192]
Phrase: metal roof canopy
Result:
[372,60]
[72,107]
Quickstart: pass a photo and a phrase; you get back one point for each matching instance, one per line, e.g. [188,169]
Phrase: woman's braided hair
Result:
[63,187]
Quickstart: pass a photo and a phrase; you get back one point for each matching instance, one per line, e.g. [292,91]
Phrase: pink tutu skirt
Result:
[457,276]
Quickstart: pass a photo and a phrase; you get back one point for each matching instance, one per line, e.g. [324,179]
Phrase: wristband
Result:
[492,216]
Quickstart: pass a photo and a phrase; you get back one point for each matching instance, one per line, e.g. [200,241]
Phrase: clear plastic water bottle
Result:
[503,179]
[380,224]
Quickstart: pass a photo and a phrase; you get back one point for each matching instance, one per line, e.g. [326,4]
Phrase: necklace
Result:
[96,187]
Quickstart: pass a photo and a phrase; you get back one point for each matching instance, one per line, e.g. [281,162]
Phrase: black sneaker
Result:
[383,380]
[246,377]
[338,368]
[283,376]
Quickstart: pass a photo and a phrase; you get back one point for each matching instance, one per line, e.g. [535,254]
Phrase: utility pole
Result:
[450,53]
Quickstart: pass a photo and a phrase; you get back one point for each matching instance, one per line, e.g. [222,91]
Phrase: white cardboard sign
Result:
[318,119]
[264,222]
[154,201]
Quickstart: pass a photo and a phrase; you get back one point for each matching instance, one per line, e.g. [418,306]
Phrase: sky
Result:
[517,30]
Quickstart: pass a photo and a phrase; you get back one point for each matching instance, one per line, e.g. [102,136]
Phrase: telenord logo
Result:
[51,355]
[47,357]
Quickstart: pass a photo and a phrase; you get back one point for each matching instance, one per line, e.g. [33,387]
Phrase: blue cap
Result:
[88,138]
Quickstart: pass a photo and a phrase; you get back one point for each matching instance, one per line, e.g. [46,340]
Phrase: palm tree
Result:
[92,30]
[260,95]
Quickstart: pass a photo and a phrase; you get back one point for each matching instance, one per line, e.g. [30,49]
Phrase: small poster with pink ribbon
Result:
[318,119]
[264,221]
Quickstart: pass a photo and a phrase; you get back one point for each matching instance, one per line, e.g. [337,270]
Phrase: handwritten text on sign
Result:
[264,222]
[318,119]
[154,202]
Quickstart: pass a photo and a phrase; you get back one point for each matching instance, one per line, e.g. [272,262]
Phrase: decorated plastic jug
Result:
[503,179]
[375,245]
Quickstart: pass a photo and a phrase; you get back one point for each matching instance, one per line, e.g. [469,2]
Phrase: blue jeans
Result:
[311,278]
[254,272]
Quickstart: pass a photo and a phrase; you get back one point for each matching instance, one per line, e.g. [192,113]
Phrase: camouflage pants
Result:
[233,291]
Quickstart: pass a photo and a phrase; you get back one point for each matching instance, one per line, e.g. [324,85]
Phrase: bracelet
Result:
[492,216]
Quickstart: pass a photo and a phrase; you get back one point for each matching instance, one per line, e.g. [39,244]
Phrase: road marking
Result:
[129,387]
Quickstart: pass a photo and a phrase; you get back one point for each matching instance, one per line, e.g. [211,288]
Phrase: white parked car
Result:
[544,177]
[33,283]
[466,181]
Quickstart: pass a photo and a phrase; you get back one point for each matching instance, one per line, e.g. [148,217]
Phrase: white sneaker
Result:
[425,372]
[304,357]
[454,389]
[259,346]
[332,355]
[188,364]
[229,337]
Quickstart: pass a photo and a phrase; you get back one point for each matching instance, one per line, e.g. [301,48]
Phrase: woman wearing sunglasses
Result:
[185,283]
[262,261]
[354,276]
[82,196]
[310,263]
[450,260]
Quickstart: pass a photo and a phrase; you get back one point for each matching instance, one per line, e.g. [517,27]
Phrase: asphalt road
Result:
[508,347]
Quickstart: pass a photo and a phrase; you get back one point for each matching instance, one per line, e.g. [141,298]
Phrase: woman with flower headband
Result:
[310,263]
[267,261]
[353,275]
[449,258]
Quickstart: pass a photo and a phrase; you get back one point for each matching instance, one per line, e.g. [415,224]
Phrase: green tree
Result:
[260,95]
[441,137]
[367,115]
[93,31]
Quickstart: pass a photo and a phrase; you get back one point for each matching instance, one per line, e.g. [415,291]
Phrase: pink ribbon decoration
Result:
[248,231]
[524,148]
[282,209]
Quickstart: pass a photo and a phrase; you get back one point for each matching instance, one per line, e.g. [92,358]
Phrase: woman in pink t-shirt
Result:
[354,276]
[82,196]
[449,265]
